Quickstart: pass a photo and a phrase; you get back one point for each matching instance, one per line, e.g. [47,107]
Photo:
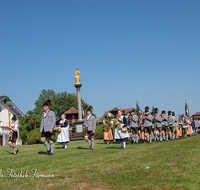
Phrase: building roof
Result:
[72,111]
[114,109]
[126,110]
[14,107]
[2,97]
[196,114]
[100,120]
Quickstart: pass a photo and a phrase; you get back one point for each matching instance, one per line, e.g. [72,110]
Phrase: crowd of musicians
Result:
[148,127]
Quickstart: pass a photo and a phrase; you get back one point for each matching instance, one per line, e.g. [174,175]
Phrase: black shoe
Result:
[17,151]
[51,154]
[47,152]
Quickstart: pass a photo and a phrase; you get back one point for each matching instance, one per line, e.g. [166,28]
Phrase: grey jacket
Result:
[171,120]
[158,121]
[48,122]
[196,123]
[91,123]
[148,121]
[165,121]
[176,123]
[134,121]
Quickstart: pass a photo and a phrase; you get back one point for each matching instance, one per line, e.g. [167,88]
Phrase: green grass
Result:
[172,165]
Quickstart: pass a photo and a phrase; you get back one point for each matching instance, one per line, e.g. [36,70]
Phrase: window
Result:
[0,108]
[1,123]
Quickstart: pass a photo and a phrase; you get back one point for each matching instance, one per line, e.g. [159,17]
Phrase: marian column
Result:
[79,123]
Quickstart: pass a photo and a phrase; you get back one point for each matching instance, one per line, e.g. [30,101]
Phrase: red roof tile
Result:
[71,111]
[196,114]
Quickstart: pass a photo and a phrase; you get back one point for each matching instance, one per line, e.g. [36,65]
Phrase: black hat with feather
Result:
[89,108]
[163,112]
[47,103]
[156,110]
[169,113]
[146,109]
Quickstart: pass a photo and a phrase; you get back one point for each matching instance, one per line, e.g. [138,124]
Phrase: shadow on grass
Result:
[83,148]
[113,147]
[41,152]
[59,148]
[9,152]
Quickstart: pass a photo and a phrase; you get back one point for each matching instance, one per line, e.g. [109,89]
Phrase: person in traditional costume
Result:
[176,125]
[13,139]
[48,127]
[134,127]
[90,123]
[63,131]
[192,125]
[165,127]
[108,126]
[184,126]
[121,132]
[140,125]
[157,125]
[171,125]
[196,126]
[153,126]
[147,125]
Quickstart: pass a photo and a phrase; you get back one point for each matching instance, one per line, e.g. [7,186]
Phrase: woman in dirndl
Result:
[108,132]
[63,136]
[121,132]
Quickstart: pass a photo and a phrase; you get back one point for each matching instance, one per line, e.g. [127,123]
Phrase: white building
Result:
[4,119]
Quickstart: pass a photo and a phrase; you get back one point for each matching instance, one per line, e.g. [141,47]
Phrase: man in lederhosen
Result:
[134,127]
[165,127]
[171,125]
[157,125]
[147,125]
[14,128]
[48,127]
[91,127]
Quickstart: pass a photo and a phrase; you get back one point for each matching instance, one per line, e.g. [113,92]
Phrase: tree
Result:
[61,102]
[137,109]
[29,122]
[153,109]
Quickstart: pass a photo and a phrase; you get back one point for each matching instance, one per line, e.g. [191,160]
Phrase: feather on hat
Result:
[90,108]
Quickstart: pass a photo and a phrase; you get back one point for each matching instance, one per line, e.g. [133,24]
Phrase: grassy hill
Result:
[172,165]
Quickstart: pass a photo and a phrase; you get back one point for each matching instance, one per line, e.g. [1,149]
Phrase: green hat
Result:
[156,110]
[163,112]
[169,113]
[173,114]
[47,103]
[14,118]
[133,110]
[90,108]
[146,109]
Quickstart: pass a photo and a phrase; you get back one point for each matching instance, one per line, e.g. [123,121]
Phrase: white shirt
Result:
[16,125]
[88,117]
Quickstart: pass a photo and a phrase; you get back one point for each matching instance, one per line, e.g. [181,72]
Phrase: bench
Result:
[75,136]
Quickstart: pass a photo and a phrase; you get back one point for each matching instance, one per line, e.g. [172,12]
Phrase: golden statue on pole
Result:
[77,76]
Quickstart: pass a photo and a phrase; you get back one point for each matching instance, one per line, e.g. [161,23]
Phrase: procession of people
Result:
[134,128]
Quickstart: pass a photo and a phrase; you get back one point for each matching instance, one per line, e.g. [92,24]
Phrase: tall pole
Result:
[78,86]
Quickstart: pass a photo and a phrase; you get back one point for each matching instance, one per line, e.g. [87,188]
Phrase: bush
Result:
[33,136]
[98,132]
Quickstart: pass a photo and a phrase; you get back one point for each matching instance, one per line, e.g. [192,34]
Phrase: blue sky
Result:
[125,50]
